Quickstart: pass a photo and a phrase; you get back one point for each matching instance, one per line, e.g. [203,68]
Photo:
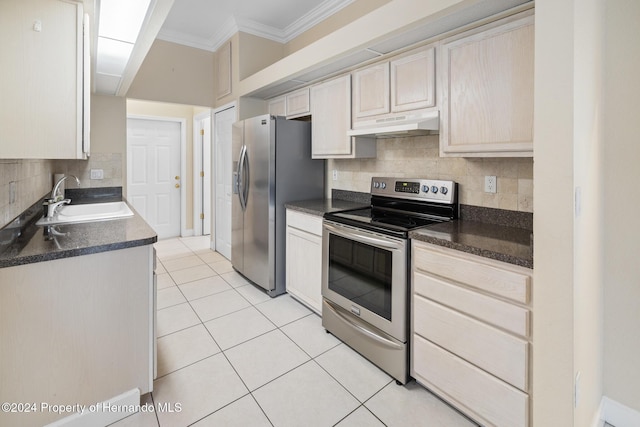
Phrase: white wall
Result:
[175,73]
[586,279]
[553,214]
[588,159]
[622,200]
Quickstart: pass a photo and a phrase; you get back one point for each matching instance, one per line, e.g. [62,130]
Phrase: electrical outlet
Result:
[97,174]
[335,175]
[490,184]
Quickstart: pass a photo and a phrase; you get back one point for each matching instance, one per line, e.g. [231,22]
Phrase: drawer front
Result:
[493,311]
[309,223]
[474,391]
[497,352]
[485,276]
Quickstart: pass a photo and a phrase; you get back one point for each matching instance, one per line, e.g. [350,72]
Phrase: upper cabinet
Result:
[413,81]
[298,103]
[292,105]
[405,83]
[44,113]
[331,119]
[223,75]
[486,78]
[371,91]
[277,106]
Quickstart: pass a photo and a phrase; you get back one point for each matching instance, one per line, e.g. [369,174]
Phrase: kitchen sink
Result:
[88,213]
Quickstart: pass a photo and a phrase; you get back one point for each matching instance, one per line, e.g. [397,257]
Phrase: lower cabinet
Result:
[470,333]
[304,258]
[76,330]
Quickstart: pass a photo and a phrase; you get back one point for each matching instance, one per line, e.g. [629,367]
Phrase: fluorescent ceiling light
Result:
[119,25]
[122,19]
[113,56]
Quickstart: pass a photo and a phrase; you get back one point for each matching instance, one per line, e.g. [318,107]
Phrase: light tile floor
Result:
[229,355]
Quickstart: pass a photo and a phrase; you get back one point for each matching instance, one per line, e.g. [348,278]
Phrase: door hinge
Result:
[202,174]
[201,131]
[201,216]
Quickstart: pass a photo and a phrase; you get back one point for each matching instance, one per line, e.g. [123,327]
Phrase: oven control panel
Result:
[431,190]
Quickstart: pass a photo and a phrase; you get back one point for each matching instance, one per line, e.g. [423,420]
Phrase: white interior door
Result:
[222,123]
[202,178]
[206,180]
[153,173]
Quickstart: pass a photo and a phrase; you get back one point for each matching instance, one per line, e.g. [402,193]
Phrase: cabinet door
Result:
[41,79]
[223,81]
[331,111]
[304,267]
[371,91]
[487,83]
[278,106]
[298,103]
[413,81]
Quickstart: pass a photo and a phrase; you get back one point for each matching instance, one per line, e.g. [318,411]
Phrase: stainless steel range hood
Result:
[399,126]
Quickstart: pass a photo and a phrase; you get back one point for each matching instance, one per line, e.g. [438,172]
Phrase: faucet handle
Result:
[45,206]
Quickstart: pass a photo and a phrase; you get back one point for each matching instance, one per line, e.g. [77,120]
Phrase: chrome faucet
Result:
[54,193]
[56,199]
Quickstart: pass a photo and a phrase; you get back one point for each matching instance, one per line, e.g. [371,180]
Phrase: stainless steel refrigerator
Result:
[272,165]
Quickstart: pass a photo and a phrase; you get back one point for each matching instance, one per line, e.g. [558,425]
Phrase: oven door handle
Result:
[361,237]
[362,329]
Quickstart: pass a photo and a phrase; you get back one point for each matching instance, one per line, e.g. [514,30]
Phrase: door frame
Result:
[198,191]
[183,163]
[214,231]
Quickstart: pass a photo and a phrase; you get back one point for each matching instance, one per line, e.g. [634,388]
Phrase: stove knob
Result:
[434,189]
[376,184]
[425,188]
[444,190]
[383,185]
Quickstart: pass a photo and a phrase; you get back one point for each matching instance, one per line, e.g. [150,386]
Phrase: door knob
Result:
[177,177]
[177,185]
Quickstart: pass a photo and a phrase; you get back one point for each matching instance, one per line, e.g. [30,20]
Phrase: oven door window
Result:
[361,273]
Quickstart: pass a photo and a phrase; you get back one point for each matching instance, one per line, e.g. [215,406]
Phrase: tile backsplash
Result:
[109,163]
[34,178]
[32,181]
[418,157]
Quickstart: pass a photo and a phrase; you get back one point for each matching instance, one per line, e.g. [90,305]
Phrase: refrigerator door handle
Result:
[245,179]
[241,183]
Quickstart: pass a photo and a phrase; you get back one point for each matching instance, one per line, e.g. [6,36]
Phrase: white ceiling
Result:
[206,24]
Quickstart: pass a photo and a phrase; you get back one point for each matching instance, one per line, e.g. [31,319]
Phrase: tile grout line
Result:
[279,328]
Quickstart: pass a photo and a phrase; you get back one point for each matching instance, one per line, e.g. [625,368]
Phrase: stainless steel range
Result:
[366,258]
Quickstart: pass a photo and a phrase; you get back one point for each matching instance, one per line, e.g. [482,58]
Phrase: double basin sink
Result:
[88,213]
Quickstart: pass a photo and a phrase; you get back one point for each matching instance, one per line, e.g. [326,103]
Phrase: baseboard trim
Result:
[103,413]
[617,414]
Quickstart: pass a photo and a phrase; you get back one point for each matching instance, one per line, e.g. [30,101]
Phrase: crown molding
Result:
[314,17]
[233,25]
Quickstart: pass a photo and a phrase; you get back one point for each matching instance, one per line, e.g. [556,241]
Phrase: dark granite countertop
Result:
[491,233]
[503,243]
[321,206]
[23,242]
